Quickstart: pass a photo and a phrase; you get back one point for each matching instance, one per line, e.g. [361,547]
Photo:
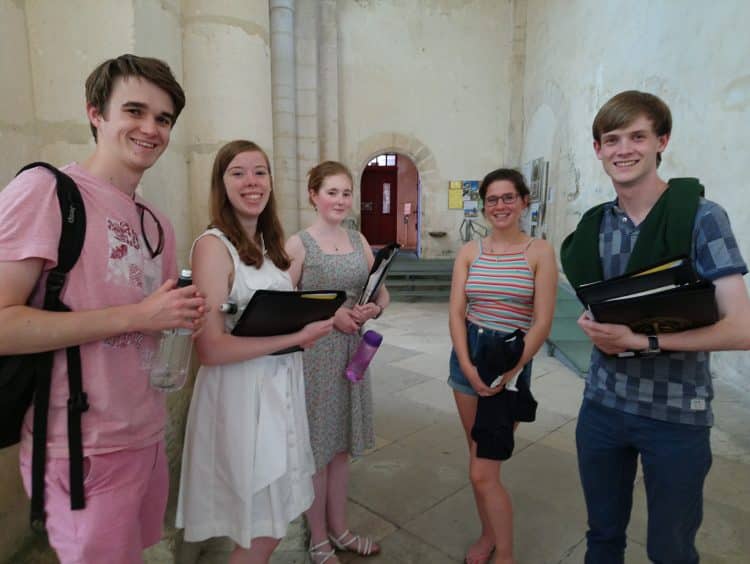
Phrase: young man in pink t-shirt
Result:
[122,294]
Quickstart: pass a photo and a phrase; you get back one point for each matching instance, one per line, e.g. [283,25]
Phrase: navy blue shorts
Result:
[456,378]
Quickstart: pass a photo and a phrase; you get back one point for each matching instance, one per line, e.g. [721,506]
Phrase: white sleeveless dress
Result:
[247,464]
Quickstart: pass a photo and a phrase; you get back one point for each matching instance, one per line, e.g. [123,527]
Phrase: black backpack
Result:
[26,378]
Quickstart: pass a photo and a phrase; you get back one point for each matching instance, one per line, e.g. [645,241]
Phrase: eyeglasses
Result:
[160,231]
[492,201]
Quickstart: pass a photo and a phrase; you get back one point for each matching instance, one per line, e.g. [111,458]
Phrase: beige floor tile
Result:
[559,390]
[543,363]
[403,548]
[399,482]
[634,554]
[433,393]
[451,525]
[546,422]
[388,379]
[398,417]
[562,438]
[434,365]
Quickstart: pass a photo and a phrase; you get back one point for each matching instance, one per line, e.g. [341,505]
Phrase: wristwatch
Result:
[653,346]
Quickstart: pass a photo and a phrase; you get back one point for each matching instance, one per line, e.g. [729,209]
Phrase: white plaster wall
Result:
[437,71]
[18,136]
[580,53]
[67,40]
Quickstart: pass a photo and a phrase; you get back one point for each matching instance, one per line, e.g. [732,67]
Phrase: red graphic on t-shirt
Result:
[136,275]
[124,232]
[118,252]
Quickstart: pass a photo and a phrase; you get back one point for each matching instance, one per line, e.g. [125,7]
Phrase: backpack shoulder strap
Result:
[73,218]
[72,235]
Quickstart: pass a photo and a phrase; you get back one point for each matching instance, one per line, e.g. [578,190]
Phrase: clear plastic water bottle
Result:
[367,348]
[172,360]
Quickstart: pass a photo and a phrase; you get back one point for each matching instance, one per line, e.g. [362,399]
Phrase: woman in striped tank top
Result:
[503,282]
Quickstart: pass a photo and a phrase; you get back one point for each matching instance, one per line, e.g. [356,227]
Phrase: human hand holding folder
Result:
[383,260]
[272,312]
[663,298]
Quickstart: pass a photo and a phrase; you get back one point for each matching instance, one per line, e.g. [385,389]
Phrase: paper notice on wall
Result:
[470,190]
[455,195]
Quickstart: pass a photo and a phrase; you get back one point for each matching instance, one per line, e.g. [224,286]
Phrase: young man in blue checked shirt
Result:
[656,403]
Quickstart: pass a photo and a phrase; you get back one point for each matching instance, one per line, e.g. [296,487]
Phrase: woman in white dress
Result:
[247,464]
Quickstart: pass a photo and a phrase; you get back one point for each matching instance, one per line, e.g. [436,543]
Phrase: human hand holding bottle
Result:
[172,361]
[171,307]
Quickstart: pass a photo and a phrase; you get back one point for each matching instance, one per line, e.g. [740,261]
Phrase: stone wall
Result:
[429,79]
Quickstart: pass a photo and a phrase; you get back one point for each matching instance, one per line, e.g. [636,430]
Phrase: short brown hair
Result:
[101,81]
[223,217]
[624,108]
[319,173]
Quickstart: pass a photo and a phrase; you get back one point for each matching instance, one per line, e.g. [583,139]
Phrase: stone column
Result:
[227,64]
[328,108]
[308,143]
[283,92]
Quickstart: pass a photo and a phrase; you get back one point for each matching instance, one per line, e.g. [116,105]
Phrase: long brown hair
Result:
[223,216]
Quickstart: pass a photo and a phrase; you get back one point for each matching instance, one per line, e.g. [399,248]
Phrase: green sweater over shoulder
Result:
[665,233]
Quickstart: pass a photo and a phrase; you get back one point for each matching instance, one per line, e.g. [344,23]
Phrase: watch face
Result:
[653,344]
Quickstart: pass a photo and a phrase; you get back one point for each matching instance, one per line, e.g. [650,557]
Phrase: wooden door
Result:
[378,204]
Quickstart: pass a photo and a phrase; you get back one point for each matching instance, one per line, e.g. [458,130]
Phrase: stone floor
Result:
[412,492]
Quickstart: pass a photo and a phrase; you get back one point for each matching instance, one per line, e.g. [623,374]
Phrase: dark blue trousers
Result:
[675,459]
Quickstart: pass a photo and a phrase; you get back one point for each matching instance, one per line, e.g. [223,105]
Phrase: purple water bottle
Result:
[367,348]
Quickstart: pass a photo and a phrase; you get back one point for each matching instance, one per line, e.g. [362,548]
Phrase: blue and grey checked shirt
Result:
[674,387]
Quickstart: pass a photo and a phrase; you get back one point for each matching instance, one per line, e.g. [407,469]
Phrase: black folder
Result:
[662,298]
[274,312]
[383,261]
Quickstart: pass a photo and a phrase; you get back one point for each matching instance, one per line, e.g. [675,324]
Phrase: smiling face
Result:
[134,129]
[247,181]
[503,205]
[333,200]
[629,154]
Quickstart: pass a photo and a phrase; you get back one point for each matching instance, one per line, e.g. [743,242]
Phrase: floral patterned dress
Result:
[339,411]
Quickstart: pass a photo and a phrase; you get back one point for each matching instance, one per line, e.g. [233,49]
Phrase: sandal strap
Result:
[315,552]
[364,544]
[338,541]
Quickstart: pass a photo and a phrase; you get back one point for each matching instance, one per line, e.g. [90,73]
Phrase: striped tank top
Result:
[500,291]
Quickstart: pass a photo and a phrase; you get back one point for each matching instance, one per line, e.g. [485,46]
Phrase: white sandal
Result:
[321,556]
[364,544]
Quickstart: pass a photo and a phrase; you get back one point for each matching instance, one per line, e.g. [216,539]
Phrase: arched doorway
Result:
[389,203]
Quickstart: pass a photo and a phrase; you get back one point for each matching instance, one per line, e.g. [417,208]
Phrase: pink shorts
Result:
[126,496]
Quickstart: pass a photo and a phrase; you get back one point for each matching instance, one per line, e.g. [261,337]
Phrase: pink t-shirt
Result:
[115,268]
